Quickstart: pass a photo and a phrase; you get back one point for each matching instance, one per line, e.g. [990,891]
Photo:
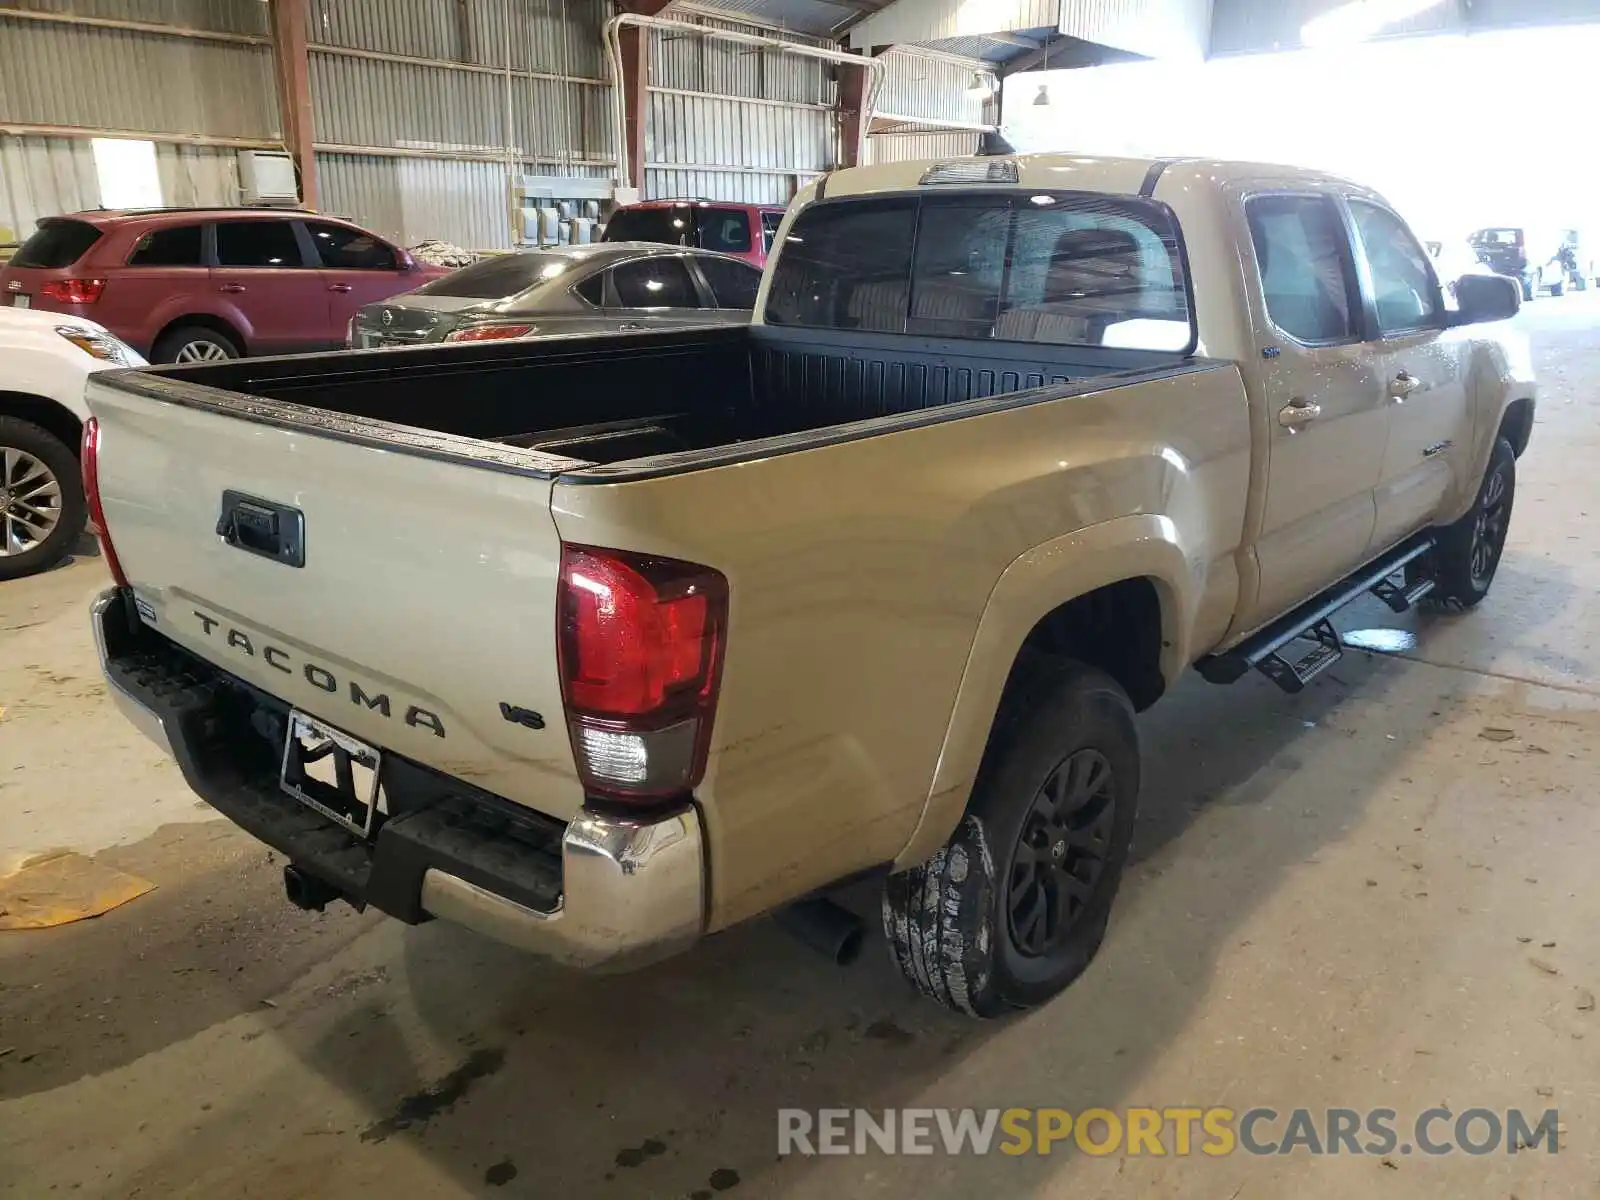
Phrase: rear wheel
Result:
[1015,905]
[1468,554]
[194,343]
[42,510]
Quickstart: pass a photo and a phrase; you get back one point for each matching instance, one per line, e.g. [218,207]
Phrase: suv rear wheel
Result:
[42,511]
[1015,905]
[194,343]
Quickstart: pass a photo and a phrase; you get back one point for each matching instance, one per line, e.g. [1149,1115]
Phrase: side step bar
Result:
[1264,650]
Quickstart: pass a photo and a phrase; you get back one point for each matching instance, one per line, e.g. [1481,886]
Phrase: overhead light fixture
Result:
[1043,98]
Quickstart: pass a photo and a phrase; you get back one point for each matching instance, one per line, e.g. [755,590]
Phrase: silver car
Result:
[571,289]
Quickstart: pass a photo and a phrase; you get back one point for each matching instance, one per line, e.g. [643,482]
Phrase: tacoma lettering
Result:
[318,676]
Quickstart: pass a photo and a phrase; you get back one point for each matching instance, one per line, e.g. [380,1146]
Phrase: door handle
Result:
[1297,413]
[630,325]
[1402,386]
[233,289]
[339,287]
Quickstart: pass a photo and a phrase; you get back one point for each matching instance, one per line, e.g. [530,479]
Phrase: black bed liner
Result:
[611,406]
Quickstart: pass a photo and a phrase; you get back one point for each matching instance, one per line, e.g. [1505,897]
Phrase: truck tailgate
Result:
[425,602]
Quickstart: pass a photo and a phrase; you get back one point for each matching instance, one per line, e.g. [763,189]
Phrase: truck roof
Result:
[1075,172]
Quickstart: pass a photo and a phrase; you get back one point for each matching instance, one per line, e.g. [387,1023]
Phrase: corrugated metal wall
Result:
[1156,28]
[55,74]
[901,147]
[930,88]
[735,122]
[931,20]
[1250,27]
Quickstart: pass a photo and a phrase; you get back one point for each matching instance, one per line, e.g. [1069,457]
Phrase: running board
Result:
[1271,650]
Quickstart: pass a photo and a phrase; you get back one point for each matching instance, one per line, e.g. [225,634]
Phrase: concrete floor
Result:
[1336,901]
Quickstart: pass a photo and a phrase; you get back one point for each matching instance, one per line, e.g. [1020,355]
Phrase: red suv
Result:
[742,230]
[189,285]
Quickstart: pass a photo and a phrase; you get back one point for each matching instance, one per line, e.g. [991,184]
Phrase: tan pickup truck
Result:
[599,645]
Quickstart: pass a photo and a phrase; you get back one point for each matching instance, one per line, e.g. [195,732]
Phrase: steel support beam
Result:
[853,115]
[292,57]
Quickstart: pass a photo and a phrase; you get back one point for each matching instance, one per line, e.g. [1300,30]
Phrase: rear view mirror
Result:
[1483,298]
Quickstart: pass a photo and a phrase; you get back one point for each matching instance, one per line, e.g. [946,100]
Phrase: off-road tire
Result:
[1468,553]
[61,462]
[949,921]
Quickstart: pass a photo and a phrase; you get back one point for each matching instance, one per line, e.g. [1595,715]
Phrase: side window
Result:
[257,244]
[1403,286]
[846,266]
[178,246]
[725,230]
[655,283]
[1306,273]
[769,229]
[349,249]
[733,284]
[593,290]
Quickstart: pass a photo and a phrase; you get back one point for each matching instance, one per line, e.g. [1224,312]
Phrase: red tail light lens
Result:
[89,460]
[489,333]
[72,291]
[641,642]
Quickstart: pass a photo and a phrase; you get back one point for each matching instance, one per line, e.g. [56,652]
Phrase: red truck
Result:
[195,285]
[743,230]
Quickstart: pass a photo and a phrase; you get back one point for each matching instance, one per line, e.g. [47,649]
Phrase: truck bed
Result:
[634,403]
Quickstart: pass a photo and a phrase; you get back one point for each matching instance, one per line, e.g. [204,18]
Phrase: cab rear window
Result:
[1054,268]
[56,243]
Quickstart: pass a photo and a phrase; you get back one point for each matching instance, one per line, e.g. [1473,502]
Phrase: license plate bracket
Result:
[328,770]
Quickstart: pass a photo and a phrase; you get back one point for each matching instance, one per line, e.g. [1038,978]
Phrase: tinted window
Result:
[175,247]
[1402,284]
[257,244]
[769,228]
[1304,259]
[350,249]
[500,276]
[733,284]
[674,226]
[725,230]
[1055,269]
[846,266]
[593,290]
[56,243]
[654,283]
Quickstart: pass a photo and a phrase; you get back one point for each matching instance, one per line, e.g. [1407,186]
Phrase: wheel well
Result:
[50,415]
[1517,425]
[204,321]
[1116,628]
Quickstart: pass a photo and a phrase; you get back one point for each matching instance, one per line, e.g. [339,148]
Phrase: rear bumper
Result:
[604,892]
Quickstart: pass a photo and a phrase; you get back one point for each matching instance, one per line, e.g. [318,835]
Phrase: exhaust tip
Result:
[832,931]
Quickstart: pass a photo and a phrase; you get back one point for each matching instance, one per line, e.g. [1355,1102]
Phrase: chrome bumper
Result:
[632,889]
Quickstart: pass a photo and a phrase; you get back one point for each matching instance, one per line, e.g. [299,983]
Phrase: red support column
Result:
[294,91]
[635,46]
[852,113]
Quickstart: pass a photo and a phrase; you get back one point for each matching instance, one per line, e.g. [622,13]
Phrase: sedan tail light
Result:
[641,643]
[72,291]
[490,333]
[89,461]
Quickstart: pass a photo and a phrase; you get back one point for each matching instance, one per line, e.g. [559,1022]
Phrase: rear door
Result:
[264,273]
[357,268]
[1421,370]
[660,287]
[1324,398]
[164,265]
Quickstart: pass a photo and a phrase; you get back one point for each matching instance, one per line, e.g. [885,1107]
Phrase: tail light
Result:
[489,333]
[72,291]
[89,459]
[641,643]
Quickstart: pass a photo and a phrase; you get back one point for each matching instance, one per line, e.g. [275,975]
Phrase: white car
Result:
[45,360]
